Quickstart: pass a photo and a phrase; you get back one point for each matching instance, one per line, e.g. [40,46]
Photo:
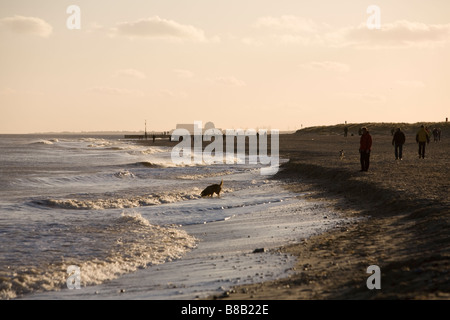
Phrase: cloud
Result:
[94,27]
[26,26]
[172,94]
[230,81]
[132,73]
[326,65]
[157,28]
[115,91]
[396,34]
[7,92]
[288,29]
[288,23]
[182,73]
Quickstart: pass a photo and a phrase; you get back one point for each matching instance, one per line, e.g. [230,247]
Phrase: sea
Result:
[112,207]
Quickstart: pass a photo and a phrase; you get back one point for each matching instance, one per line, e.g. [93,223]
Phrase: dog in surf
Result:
[210,190]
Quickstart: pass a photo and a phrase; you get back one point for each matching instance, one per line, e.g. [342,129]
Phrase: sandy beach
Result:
[197,247]
[326,224]
[209,152]
[405,206]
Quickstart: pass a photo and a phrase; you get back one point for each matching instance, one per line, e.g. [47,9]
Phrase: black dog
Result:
[210,190]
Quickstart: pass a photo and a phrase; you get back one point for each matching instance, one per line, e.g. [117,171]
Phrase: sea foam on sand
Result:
[225,256]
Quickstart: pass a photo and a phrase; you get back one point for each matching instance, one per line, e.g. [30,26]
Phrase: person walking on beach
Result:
[398,141]
[365,145]
[422,138]
[435,134]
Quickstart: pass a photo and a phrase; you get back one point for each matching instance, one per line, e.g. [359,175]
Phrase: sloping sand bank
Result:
[406,203]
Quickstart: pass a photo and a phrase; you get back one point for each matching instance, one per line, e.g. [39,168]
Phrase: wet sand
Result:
[406,210]
[241,249]
[398,219]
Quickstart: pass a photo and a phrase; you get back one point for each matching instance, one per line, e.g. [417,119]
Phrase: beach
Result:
[406,211]
[309,232]
[132,225]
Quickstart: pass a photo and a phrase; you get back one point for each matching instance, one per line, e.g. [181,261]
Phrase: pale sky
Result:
[238,63]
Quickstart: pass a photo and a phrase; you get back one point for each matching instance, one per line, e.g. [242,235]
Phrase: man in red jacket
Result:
[365,144]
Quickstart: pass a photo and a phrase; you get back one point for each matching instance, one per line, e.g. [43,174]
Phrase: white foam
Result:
[121,203]
[137,244]
[120,216]
[223,257]
[124,174]
[45,142]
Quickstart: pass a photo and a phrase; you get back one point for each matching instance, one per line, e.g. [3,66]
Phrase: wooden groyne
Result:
[149,136]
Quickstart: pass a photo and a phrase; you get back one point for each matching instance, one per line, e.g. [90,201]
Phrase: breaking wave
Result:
[45,142]
[149,164]
[124,174]
[119,203]
[120,245]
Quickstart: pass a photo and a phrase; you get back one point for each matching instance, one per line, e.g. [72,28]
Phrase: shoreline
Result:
[403,213]
[405,231]
[243,249]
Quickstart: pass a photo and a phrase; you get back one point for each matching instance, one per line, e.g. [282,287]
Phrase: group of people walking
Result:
[398,140]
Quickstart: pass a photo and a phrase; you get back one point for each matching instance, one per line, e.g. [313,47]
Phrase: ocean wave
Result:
[59,179]
[124,174]
[149,164]
[166,163]
[99,142]
[199,176]
[151,150]
[129,242]
[119,203]
[44,142]
[92,140]
[99,145]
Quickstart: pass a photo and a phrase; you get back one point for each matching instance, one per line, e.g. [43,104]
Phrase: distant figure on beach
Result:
[153,138]
[365,145]
[345,131]
[435,133]
[422,138]
[398,141]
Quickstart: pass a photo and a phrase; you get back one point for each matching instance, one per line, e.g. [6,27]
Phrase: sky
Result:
[260,64]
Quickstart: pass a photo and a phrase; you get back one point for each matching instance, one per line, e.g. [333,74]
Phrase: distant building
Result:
[209,125]
[192,127]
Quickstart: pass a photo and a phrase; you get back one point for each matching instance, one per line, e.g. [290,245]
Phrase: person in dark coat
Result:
[365,145]
[398,141]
